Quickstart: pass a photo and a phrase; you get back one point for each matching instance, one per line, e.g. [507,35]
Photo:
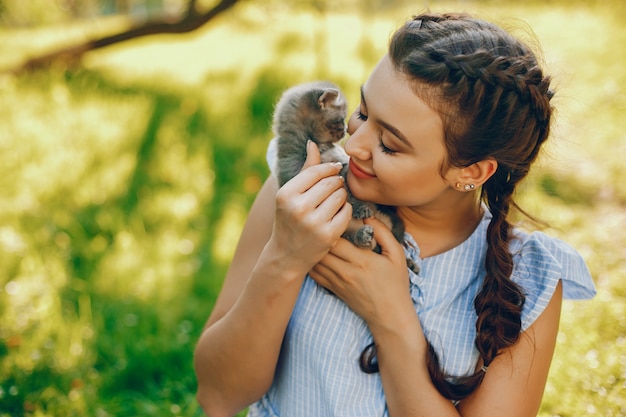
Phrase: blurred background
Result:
[126,172]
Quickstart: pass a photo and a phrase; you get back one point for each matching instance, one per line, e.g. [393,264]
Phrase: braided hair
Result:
[494,101]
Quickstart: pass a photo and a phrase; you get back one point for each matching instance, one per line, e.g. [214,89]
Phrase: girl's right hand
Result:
[311,213]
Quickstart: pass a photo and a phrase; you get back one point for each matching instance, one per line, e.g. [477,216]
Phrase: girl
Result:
[450,121]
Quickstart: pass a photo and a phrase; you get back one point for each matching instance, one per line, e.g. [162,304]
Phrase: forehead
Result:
[391,96]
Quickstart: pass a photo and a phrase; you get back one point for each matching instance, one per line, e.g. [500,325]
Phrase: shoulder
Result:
[540,262]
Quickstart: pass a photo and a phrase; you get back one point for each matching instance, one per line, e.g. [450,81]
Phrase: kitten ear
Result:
[328,97]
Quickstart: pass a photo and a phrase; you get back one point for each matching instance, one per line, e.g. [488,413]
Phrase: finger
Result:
[320,274]
[342,218]
[330,264]
[313,156]
[328,191]
[311,176]
[332,224]
[344,251]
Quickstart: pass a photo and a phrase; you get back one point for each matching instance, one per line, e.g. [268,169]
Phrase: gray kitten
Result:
[317,111]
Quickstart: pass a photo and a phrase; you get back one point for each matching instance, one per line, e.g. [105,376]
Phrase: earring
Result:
[469,187]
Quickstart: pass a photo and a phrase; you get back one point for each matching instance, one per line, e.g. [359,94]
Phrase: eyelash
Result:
[384,149]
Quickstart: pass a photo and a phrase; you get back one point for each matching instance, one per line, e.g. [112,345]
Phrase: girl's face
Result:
[396,145]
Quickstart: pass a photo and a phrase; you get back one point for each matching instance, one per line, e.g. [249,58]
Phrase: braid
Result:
[510,74]
[500,301]
[494,102]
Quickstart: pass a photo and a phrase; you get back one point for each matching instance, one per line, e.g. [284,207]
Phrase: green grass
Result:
[124,186]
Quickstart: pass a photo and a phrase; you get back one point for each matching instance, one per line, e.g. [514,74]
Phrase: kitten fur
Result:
[317,111]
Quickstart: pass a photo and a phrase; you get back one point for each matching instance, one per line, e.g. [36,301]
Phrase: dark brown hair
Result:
[494,101]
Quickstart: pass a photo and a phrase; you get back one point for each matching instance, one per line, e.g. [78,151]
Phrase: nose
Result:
[357,145]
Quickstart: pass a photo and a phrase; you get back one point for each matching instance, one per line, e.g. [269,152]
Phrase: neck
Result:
[439,229]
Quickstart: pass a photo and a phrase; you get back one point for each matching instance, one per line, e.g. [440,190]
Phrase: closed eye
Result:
[384,148]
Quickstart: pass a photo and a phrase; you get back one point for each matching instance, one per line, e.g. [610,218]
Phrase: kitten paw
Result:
[361,211]
[364,237]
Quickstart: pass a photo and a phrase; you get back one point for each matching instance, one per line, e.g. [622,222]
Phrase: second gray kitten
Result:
[317,111]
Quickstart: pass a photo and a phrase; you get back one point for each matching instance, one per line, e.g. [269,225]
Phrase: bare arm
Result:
[514,383]
[234,366]
[255,234]
[286,233]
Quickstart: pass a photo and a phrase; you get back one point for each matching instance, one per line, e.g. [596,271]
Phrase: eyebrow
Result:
[387,126]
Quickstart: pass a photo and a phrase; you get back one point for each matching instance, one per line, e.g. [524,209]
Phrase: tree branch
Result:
[191,21]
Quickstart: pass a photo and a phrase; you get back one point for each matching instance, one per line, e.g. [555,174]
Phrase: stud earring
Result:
[469,187]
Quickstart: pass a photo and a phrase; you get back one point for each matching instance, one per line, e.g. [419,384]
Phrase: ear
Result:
[477,173]
[328,97]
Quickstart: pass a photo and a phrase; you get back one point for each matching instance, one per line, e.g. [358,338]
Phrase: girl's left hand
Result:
[375,286]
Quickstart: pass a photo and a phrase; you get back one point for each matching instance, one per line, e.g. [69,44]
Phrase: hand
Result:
[375,286]
[311,213]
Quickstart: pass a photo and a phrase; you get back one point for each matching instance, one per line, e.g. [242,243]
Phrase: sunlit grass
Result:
[125,185]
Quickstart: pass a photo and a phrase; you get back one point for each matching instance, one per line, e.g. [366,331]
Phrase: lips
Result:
[358,172]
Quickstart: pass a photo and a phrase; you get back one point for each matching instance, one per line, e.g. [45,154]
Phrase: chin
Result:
[352,185]
[358,191]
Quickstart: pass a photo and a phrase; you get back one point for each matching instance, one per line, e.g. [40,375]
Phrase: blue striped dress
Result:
[318,372]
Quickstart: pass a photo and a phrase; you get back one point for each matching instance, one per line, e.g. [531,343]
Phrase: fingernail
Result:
[338,165]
